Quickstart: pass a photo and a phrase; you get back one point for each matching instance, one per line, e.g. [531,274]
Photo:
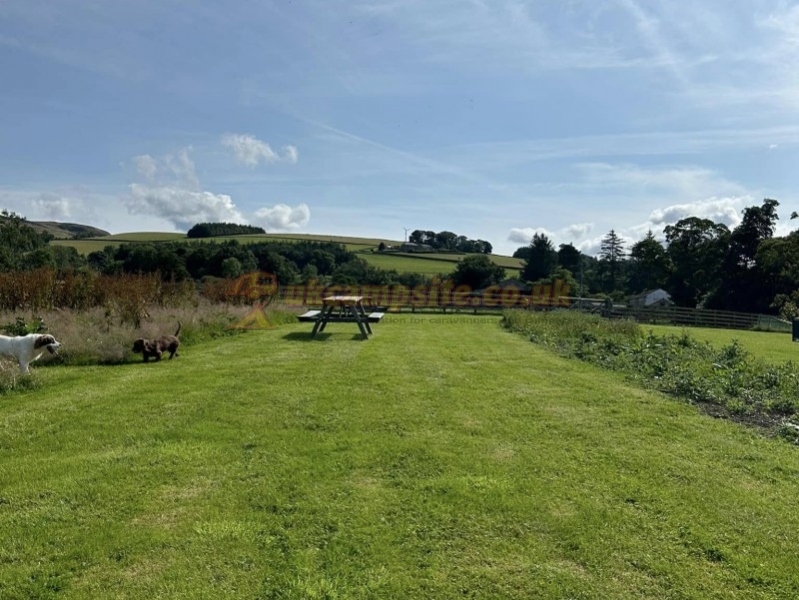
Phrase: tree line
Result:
[206,230]
[700,263]
[446,240]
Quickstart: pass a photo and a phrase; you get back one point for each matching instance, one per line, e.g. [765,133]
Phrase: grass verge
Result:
[726,380]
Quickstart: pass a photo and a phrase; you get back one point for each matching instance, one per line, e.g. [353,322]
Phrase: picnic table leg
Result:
[358,320]
[325,317]
[321,321]
[362,313]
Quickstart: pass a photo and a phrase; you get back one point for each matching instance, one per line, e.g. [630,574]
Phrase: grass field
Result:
[442,458]
[775,347]
[409,264]
[402,262]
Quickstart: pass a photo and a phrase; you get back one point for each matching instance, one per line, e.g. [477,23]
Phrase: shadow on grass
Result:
[301,336]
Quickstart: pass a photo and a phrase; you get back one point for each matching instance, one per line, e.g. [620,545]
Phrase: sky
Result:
[494,119]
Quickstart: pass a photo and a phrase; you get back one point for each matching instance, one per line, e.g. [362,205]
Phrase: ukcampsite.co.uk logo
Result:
[261,288]
[438,294]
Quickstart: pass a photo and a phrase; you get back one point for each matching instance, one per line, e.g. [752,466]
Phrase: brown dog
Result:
[155,348]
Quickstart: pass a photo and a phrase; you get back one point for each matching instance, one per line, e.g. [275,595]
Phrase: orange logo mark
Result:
[254,286]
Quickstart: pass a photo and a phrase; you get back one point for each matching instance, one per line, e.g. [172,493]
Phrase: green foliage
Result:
[611,262]
[204,230]
[20,243]
[23,327]
[446,240]
[541,258]
[569,257]
[680,365]
[478,272]
[648,267]
[696,248]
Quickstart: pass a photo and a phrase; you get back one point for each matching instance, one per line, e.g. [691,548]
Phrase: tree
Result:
[611,261]
[522,253]
[648,267]
[569,257]
[541,258]
[778,262]
[696,248]
[742,286]
[231,267]
[478,272]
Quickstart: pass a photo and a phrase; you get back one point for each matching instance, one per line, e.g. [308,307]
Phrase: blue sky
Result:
[492,119]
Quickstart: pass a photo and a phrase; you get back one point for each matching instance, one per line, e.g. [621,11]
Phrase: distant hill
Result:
[65,231]
[366,248]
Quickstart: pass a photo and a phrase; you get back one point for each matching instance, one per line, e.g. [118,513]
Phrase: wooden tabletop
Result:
[343,299]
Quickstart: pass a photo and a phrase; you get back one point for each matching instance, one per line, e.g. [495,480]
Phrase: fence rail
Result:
[663,315]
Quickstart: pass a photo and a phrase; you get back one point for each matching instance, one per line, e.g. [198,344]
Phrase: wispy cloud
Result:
[650,34]
[251,151]
[687,182]
[52,206]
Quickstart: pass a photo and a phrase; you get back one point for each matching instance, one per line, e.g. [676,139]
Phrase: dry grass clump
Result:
[99,336]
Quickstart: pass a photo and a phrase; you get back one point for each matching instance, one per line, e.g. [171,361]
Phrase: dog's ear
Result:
[43,340]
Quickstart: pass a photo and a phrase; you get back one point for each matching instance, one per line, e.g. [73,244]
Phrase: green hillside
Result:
[63,230]
[429,264]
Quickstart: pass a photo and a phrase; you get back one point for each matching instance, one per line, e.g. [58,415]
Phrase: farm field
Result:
[444,457]
[775,347]
[409,264]
[403,262]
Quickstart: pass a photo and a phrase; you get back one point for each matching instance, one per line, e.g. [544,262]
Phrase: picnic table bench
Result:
[342,309]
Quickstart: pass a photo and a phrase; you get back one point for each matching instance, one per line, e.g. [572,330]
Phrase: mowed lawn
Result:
[443,458]
[770,346]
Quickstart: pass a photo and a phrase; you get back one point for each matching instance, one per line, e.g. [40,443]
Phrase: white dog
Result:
[27,348]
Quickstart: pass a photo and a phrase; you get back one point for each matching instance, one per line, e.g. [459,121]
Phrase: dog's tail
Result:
[178,331]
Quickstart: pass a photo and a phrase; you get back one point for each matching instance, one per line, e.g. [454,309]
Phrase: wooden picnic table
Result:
[342,309]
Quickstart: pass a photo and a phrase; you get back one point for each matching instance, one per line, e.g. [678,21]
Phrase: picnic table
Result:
[342,309]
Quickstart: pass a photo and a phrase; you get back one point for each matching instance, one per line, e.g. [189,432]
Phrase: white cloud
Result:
[146,166]
[172,170]
[182,207]
[291,154]
[567,235]
[283,217]
[719,210]
[52,207]
[579,230]
[525,235]
[251,151]
[172,191]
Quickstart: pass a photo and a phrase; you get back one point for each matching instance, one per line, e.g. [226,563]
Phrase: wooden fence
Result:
[668,315]
[679,315]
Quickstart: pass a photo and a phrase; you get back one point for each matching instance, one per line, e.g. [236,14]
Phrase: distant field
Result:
[504,261]
[88,245]
[408,264]
[428,264]
[774,347]
[143,236]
